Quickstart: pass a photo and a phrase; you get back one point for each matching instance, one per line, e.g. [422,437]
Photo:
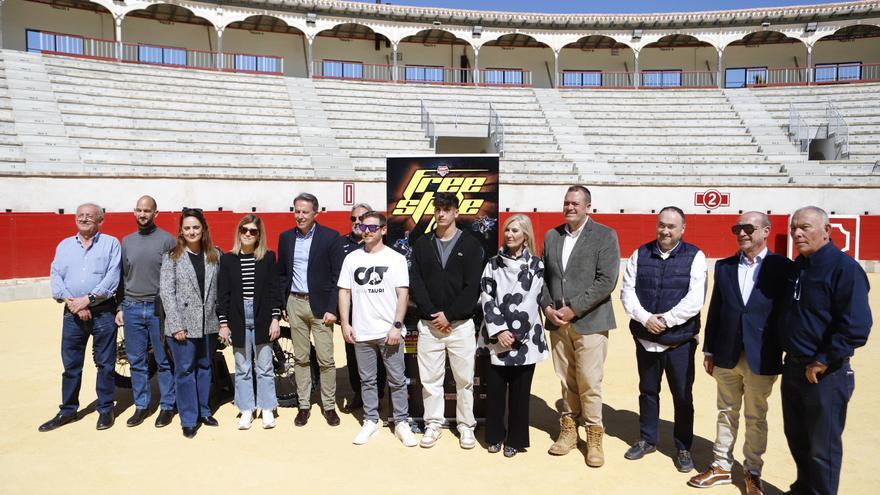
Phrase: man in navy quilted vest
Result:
[664,287]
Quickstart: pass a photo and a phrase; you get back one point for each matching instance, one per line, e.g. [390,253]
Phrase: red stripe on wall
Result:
[32,237]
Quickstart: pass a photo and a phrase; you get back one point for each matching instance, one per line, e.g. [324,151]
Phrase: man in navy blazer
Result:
[742,349]
[309,260]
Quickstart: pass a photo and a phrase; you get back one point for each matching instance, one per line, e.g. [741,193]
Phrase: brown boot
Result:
[595,455]
[568,437]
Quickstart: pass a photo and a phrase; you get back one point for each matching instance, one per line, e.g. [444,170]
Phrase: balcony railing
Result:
[790,76]
[505,77]
[677,79]
[419,74]
[595,79]
[171,56]
[846,73]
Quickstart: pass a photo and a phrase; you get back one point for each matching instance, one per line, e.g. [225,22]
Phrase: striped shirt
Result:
[248,265]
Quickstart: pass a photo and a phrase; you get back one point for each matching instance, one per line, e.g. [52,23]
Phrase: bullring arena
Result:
[237,108]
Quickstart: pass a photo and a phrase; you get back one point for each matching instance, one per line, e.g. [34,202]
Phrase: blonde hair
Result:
[260,247]
[525,224]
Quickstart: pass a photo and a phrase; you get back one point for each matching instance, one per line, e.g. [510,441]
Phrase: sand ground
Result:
[321,459]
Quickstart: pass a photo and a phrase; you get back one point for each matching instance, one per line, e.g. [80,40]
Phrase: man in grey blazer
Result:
[581,264]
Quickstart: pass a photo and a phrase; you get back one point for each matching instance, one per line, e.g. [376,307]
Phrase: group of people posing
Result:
[814,309]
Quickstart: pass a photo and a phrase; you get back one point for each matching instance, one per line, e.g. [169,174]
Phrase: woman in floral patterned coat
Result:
[512,335]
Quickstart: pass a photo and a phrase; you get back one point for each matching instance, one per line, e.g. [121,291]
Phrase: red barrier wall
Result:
[32,237]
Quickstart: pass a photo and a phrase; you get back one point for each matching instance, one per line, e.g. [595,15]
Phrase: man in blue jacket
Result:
[309,259]
[742,349]
[826,317]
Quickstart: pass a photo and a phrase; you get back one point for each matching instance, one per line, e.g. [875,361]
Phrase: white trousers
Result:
[461,346]
[735,386]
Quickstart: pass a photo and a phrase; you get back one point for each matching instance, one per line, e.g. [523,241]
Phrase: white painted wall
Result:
[20,15]
[327,48]
[599,59]
[771,56]
[686,59]
[866,51]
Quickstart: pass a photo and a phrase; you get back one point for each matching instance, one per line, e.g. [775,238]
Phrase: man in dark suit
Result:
[309,260]
[581,263]
[742,349]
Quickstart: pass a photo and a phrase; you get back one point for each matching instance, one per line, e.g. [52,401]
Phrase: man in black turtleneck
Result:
[141,261]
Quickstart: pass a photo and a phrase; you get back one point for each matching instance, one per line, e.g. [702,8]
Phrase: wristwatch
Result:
[92,298]
[398,325]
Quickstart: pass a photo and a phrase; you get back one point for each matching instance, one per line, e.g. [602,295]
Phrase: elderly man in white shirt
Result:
[664,287]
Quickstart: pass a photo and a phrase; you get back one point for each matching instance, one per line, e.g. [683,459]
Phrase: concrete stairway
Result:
[38,121]
[318,138]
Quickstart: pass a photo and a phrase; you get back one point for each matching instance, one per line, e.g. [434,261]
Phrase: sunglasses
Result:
[187,210]
[246,230]
[743,227]
[359,219]
[370,228]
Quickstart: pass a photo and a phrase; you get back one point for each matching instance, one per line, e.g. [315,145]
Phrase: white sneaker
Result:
[268,419]
[466,438]
[404,433]
[432,434]
[244,422]
[369,429]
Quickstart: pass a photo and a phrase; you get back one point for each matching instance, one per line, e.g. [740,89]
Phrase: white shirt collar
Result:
[744,260]
[577,232]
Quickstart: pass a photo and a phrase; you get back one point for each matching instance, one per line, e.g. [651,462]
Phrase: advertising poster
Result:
[412,182]
[411,185]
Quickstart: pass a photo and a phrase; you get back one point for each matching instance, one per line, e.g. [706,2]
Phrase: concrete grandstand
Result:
[234,108]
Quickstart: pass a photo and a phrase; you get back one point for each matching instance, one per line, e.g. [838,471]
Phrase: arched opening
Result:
[596,61]
[851,54]
[516,60]
[165,34]
[435,56]
[765,58]
[678,61]
[352,51]
[281,48]
[66,27]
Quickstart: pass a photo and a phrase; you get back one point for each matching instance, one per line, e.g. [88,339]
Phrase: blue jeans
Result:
[141,329]
[678,364]
[74,337]
[247,358]
[192,375]
[814,416]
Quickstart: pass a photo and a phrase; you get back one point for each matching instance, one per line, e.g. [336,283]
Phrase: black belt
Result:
[102,307]
[300,295]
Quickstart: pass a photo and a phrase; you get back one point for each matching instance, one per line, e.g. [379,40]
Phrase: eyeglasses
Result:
[359,219]
[370,228]
[86,216]
[246,230]
[743,227]
[187,210]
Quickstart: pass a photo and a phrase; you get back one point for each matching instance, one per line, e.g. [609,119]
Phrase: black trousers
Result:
[814,416]
[513,383]
[678,364]
[354,376]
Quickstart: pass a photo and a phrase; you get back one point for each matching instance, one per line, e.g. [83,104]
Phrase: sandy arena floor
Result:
[321,459]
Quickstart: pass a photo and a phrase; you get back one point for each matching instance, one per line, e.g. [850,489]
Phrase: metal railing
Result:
[169,56]
[791,76]
[838,127]
[506,77]
[428,124]
[595,79]
[423,74]
[798,130]
[677,79]
[846,73]
[496,130]
[350,70]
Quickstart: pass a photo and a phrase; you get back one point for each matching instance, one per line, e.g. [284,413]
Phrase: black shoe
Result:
[105,420]
[302,417]
[58,421]
[331,417]
[640,449]
[355,403]
[138,417]
[209,421]
[509,451]
[683,461]
[164,418]
[190,431]
[494,448]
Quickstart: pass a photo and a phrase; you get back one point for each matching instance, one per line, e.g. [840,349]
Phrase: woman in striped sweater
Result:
[249,307]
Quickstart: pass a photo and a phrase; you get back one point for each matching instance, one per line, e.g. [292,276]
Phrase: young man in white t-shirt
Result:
[373,290]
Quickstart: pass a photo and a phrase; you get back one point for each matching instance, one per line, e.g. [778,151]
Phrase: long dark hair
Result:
[207,245]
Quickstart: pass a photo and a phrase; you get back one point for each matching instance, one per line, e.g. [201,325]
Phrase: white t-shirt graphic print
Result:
[373,279]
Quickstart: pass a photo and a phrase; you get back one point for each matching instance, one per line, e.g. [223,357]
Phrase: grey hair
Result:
[307,197]
[765,220]
[95,206]
[813,209]
[362,205]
